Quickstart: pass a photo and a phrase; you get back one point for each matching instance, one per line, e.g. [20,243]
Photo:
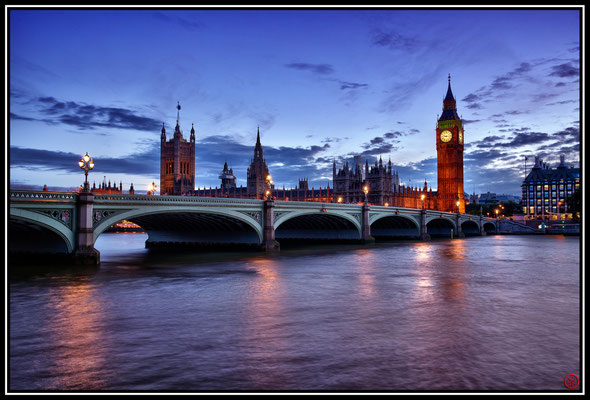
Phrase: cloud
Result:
[351,85]
[565,71]
[141,163]
[87,116]
[393,40]
[321,69]
[14,116]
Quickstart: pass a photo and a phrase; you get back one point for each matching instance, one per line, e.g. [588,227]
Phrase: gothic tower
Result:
[258,173]
[449,150]
[177,161]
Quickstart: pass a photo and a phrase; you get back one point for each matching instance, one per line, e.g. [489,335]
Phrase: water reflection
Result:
[441,315]
[76,332]
[364,262]
[265,337]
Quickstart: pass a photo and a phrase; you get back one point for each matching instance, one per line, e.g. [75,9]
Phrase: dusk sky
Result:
[323,85]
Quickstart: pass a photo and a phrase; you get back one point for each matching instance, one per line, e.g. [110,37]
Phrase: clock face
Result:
[446,136]
[461,137]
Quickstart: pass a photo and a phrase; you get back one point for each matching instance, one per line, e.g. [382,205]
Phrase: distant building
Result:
[259,182]
[493,198]
[177,161]
[104,188]
[545,190]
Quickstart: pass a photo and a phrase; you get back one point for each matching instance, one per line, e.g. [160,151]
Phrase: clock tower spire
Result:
[449,151]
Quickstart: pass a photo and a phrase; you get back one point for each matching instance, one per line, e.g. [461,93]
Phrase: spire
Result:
[449,96]
[449,106]
[178,113]
[193,129]
[258,147]
[258,136]
[163,129]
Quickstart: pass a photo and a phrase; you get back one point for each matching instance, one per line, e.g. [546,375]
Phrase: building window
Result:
[546,187]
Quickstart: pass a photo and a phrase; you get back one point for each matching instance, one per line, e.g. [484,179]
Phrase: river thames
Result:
[478,314]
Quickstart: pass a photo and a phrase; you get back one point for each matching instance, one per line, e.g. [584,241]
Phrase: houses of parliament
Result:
[376,184]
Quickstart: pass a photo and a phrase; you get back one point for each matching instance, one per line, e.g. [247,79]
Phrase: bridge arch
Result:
[394,225]
[190,225]
[489,227]
[311,224]
[470,227]
[45,230]
[440,226]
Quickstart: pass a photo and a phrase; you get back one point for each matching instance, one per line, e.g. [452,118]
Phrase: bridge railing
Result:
[108,198]
[27,195]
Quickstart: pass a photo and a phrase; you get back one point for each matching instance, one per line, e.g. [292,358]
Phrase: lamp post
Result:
[458,204]
[152,187]
[86,163]
[497,211]
[422,197]
[366,190]
[269,186]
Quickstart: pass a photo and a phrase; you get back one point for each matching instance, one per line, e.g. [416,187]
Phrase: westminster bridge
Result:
[69,223]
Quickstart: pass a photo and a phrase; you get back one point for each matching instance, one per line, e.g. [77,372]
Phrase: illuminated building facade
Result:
[545,190]
[449,156]
[177,161]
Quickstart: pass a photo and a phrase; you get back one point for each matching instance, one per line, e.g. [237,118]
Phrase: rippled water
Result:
[483,313]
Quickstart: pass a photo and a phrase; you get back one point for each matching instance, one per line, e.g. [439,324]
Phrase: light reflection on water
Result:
[485,313]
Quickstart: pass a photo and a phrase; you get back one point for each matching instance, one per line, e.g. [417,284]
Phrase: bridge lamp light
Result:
[366,190]
[458,204]
[386,204]
[422,197]
[339,200]
[152,187]
[86,164]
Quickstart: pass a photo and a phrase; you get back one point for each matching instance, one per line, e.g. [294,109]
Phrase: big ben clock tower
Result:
[449,152]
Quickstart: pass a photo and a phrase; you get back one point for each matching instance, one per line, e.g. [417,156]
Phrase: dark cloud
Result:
[141,163]
[469,121]
[85,116]
[321,69]
[352,85]
[382,149]
[393,135]
[565,71]
[474,106]
[14,116]
[525,138]
[471,98]
[393,40]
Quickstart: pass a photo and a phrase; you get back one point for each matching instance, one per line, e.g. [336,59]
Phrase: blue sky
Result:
[323,85]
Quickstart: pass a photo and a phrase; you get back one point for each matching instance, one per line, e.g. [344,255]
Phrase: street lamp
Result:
[366,190]
[86,163]
[497,211]
[458,204]
[422,198]
[152,187]
[339,200]
[269,185]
